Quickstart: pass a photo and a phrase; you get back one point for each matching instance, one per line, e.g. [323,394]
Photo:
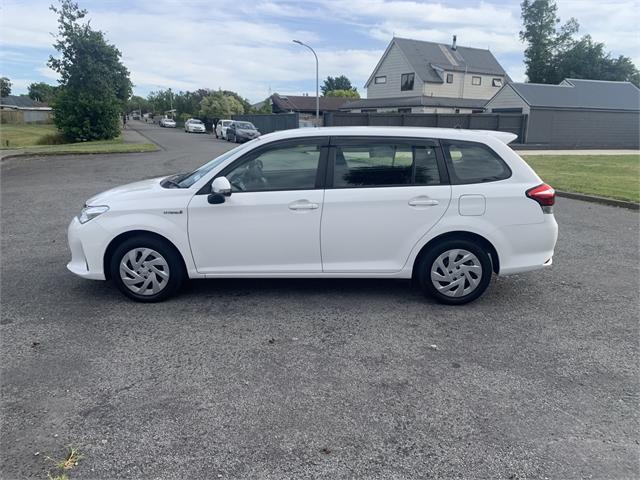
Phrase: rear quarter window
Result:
[470,162]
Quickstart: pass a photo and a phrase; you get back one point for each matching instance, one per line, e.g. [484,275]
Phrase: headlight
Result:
[88,213]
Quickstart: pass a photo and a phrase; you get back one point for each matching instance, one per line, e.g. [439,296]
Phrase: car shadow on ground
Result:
[339,291]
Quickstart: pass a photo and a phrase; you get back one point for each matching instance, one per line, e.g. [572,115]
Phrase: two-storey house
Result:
[415,76]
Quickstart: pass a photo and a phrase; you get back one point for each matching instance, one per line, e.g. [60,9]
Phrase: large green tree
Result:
[553,53]
[137,102]
[343,93]
[5,87]
[221,104]
[42,92]
[263,107]
[94,84]
[337,83]
[544,37]
[589,59]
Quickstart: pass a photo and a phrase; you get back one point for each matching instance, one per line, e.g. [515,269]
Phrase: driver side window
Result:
[293,167]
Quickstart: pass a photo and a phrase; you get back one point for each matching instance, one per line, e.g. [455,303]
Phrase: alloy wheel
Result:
[456,273]
[144,271]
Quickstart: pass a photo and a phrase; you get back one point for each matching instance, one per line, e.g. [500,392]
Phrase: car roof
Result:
[413,132]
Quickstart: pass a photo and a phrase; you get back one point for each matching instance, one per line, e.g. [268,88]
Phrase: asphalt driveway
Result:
[309,378]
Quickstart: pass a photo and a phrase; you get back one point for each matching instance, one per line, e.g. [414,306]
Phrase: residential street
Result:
[310,378]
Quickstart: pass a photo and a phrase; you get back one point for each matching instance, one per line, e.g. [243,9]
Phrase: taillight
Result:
[544,194]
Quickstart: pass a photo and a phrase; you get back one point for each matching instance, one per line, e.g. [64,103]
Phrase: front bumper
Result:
[246,138]
[87,249]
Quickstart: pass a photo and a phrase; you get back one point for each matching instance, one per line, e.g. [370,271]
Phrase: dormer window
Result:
[449,77]
[476,80]
[406,82]
[497,82]
[382,79]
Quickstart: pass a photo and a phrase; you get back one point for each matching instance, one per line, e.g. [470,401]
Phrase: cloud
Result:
[248,48]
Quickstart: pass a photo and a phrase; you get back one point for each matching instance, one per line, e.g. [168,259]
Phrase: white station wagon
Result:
[447,208]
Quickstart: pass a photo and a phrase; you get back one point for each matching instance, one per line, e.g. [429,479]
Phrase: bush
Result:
[51,139]
[81,117]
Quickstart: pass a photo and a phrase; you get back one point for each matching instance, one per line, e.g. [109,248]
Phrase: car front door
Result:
[382,196]
[270,224]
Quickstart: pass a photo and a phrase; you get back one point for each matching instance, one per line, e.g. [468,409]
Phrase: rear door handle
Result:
[423,202]
[303,205]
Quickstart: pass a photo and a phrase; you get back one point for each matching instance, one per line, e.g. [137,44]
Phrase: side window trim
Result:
[412,142]
[322,142]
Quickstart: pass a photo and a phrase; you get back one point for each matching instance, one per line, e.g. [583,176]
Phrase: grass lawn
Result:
[24,135]
[613,176]
[28,139]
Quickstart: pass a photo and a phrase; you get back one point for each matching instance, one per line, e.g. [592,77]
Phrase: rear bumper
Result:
[86,257]
[527,247]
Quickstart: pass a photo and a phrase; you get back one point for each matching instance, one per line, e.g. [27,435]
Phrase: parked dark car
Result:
[239,132]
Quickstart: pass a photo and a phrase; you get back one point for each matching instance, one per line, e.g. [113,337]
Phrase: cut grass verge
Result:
[99,146]
[18,136]
[611,176]
[30,139]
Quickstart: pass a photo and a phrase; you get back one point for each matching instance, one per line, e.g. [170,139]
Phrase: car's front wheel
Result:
[147,269]
[454,272]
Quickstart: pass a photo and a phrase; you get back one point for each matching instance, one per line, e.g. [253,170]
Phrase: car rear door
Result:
[271,222]
[382,196]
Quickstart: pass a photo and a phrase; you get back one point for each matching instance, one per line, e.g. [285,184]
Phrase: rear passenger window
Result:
[385,165]
[474,163]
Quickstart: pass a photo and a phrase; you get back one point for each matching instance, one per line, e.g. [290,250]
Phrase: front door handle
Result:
[303,205]
[423,202]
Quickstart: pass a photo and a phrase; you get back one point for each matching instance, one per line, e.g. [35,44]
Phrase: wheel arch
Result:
[460,235]
[118,239]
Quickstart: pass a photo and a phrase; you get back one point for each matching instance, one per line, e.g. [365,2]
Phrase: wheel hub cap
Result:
[144,271]
[456,273]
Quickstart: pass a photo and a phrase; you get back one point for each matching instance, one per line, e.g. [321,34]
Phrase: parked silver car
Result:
[193,125]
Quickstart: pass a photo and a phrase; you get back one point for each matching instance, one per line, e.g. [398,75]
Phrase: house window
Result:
[406,82]
[497,82]
[476,80]
[382,79]
[449,77]
[369,110]
[404,110]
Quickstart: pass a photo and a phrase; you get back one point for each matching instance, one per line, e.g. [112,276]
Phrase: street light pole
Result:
[317,94]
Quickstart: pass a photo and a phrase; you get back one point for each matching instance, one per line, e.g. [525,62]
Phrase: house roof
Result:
[303,103]
[580,93]
[22,102]
[427,58]
[419,101]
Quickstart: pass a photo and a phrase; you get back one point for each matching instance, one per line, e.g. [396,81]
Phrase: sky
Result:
[246,45]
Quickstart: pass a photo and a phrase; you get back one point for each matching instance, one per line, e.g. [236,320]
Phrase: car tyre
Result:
[444,274]
[156,255]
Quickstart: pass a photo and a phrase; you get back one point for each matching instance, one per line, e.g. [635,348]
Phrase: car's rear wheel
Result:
[147,269]
[454,272]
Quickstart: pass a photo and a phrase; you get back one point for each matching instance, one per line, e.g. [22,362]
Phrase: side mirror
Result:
[222,186]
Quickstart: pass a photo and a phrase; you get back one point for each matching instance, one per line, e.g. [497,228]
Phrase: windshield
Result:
[226,123]
[245,126]
[196,121]
[196,175]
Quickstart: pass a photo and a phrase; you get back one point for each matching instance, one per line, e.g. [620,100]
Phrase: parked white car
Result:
[193,125]
[168,122]
[221,128]
[447,207]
